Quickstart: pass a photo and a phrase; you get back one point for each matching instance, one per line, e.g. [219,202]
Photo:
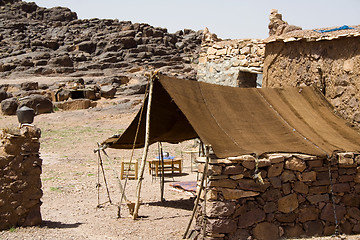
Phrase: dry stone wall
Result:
[293,197]
[226,62]
[20,183]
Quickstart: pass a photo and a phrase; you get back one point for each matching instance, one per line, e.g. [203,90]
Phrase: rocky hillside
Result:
[53,42]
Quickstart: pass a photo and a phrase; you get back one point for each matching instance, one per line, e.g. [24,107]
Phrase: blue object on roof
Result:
[344,27]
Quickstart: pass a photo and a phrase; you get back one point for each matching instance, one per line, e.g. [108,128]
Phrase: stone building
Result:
[297,194]
[234,63]
[326,58]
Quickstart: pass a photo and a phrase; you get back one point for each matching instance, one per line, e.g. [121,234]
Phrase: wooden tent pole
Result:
[146,148]
[162,172]
[204,176]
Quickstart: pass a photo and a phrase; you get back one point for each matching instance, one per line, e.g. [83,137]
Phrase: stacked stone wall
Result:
[293,197]
[20,183]
[221,61]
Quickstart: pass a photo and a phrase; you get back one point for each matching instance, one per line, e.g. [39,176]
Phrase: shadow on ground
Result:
[169,177]
[51,224]
[186,204]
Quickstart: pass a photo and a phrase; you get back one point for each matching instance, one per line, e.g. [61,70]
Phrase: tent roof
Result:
[236,121]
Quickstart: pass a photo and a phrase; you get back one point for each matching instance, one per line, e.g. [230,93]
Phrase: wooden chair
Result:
[133,171]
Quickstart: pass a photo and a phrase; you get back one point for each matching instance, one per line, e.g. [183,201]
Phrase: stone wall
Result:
[20,184]
[293,197]
[326,64]
[230,62]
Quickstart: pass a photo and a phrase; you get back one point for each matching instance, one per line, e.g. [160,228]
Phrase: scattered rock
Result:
[63,95]
[4,95]
[39,103]
[9,106]
[107,91]
[27,86]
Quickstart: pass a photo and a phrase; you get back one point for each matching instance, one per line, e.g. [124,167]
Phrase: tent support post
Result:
[162,181]
[146,148]
[204,175]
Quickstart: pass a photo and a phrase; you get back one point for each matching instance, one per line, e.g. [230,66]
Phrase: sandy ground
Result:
[70,177]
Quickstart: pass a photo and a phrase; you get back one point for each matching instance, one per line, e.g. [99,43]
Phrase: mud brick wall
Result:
[325,64]
[295,198]
[225,62]
[20,184]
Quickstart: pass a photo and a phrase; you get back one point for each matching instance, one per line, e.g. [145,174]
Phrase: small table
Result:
[170,165]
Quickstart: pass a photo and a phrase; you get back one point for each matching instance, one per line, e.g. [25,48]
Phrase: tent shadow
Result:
[186,204]
[168,176]
[51,224]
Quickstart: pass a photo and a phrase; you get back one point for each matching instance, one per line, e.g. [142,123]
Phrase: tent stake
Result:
[146,148]
[204,175]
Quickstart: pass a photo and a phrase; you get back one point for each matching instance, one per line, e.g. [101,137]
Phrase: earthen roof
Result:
[311,35]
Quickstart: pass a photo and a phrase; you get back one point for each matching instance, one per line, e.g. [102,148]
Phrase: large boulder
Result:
[59,14]
[62,61]
[86,46]
[40,103]
[4,95]
[107,91]
[26,86]
[63,95]
[9,106]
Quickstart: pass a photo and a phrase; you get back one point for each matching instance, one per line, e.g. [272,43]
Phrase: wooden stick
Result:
[103,172]
[204,175]
[116,174]
[162,173]
[146,148]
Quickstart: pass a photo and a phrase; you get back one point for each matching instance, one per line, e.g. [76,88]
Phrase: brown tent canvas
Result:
[236,121]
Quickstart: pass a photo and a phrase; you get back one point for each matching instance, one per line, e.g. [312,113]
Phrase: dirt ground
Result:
[70,177]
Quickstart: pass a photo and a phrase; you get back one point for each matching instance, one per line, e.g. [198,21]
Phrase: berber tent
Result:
[237,121]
